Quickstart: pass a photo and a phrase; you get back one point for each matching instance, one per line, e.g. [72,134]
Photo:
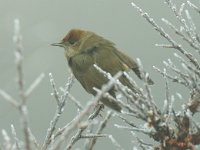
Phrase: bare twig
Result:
[79,135]
[141,143]
[7,145]
[61,100]
[77,103]
[17,142]
[9,98]
[78,118]
[34,84]
[194,6]
[182,35]
[102,125]
[115,143]
[166,36]
[34,140]
[19,64]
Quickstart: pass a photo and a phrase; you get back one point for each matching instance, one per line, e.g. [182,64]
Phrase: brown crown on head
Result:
[73,36]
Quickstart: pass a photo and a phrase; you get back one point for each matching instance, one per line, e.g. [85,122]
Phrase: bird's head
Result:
[73,42]
[80,41]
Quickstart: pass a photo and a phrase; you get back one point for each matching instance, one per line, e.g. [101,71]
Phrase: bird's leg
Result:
[99,107]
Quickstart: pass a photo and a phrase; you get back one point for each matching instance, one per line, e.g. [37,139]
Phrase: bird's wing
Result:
[112,62]
[126,59]
[131,64]
[106,58]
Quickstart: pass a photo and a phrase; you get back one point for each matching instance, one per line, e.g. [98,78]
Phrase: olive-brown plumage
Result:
[83,49]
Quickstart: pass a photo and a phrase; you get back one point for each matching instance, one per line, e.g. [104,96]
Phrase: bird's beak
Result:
[57,44]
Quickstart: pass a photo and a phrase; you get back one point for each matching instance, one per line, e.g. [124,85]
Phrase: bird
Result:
[85,48]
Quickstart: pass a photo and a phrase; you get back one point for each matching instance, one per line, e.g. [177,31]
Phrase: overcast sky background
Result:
[46,21]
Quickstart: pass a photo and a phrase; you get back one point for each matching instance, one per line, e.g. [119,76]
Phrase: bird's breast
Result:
[83,69]
[80,63]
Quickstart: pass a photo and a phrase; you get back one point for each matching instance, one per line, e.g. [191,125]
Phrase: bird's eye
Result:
[71,40]
[72,37]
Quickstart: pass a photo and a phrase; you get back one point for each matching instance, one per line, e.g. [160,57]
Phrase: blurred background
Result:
[47,21]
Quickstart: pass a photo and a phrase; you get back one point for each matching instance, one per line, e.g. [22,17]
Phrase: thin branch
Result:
[79,135]
[183,36]
[115,143]
[78,118]
[19,64]
[9,99]
[193,6]
[77,103]
[173,79]
[34,85]
[102,125]
[7,145]
[61,100]
[17,142]
[166,36]
[34,141]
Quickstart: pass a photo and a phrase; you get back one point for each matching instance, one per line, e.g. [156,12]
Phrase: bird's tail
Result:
[138,73]
[111,104]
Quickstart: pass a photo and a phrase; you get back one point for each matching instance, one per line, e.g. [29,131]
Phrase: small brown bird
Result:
[83,49]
